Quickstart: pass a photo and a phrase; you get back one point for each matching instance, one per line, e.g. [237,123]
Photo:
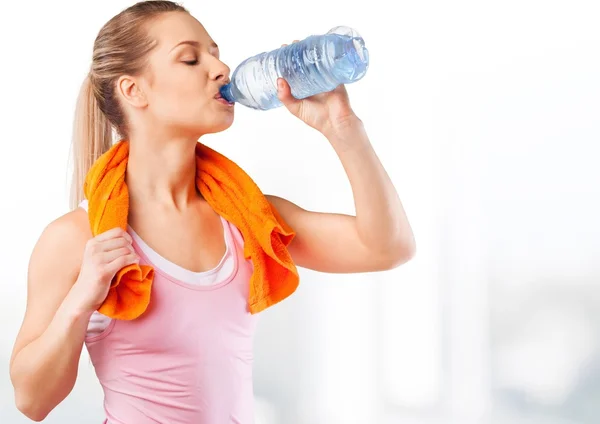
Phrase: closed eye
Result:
[191,62]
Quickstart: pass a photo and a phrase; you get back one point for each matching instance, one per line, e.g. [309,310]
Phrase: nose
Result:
[219,71]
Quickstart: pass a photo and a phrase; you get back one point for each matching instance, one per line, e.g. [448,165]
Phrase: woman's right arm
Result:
[69,277]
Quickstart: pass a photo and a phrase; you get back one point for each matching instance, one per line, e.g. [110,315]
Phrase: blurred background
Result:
[486,116]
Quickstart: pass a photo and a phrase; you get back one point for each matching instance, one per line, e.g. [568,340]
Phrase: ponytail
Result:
[92,137]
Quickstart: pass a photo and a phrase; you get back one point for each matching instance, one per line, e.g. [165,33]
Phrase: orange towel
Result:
[231,193]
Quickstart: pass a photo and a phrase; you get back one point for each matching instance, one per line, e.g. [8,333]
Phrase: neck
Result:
[161,171]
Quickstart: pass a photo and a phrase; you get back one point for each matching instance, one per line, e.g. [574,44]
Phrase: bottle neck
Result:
[227,92]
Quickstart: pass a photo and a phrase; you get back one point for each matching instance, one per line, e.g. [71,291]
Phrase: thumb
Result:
[284,93]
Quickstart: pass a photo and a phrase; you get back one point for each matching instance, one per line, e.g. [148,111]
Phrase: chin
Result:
[219,124]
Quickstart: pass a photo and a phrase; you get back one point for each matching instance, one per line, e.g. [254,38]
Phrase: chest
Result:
[196,243]
[208,323]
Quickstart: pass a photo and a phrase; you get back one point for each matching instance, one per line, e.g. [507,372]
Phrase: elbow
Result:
[399,253]
[30,408]
[35,399]
[32,402]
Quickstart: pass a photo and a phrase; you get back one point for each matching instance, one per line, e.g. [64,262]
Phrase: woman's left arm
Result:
[379,237]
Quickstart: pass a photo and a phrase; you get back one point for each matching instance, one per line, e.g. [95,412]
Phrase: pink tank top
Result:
[188,358]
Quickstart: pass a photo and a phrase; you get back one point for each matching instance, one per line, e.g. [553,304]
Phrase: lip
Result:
[220,99]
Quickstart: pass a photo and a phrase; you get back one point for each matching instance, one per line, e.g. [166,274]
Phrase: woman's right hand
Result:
[103,257]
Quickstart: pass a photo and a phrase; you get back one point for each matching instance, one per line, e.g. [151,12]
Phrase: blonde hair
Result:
[121,47]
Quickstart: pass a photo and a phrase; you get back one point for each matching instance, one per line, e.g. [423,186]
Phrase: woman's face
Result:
[182,82]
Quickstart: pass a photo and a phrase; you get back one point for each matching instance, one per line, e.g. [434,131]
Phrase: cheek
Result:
[175,103]
[181,97]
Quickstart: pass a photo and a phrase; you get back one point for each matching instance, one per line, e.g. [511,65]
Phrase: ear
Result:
[131,92]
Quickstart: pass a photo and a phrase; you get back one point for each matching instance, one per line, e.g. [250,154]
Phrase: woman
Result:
[155,78]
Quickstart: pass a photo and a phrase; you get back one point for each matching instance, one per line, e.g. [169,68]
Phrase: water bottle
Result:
[314,65]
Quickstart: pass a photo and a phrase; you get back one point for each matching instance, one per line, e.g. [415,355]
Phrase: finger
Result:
[122,261]
[112,233]
[284,93]
[108,257]
[115,243]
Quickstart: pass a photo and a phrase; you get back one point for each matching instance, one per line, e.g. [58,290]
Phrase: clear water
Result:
[315,65]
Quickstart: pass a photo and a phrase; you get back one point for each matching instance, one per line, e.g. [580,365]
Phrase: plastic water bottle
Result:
[314,65]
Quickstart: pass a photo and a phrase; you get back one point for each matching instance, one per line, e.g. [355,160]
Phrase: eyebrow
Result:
[194,43]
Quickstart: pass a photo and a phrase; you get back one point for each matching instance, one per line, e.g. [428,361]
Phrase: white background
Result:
[485,114]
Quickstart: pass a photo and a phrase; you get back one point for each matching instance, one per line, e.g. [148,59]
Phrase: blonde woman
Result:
[155,78]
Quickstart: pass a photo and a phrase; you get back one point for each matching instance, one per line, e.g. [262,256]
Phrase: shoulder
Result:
[61,243]
[69,229]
